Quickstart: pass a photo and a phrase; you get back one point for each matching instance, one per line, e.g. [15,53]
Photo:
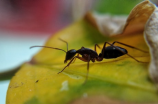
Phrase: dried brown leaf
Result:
[113,25]
[138,17]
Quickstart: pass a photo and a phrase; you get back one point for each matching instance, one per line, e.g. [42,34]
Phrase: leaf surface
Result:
[121,79]
[115,81]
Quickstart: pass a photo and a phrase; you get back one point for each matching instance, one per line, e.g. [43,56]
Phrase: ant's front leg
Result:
[81,58]
[75,58]
[67,64]
[71,62]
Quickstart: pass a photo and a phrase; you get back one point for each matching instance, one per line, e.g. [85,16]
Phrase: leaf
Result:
[138,17]
[122,79]
[123,25]
[115,81]
[151,34]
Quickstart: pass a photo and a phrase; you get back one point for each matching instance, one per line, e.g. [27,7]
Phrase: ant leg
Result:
[75,58]
[87,68]
[86,60]
[67,64]
[102,52]
[134,58]
[96,45]
[71,62]
[129,46]
[82,60]
[124,52]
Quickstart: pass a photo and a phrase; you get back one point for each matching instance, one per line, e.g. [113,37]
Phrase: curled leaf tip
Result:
[122,25]
[138,17]
[151,36]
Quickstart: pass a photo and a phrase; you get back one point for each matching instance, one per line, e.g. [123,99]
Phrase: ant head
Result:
[69,55]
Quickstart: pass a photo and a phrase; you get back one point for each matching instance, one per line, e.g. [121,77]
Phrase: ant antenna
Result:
[65,42]
[49,47]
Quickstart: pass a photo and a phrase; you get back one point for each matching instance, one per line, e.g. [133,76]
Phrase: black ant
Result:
[88,55]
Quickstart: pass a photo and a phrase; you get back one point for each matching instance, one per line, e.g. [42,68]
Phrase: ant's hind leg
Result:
[135,58]
[129,46]
[125,53]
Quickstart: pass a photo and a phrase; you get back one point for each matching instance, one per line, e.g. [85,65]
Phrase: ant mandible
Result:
[88,55]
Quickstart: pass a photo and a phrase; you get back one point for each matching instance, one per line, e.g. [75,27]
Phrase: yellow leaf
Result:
[122,79]
[115,81]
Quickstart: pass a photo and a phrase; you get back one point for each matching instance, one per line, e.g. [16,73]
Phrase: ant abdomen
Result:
[112,52]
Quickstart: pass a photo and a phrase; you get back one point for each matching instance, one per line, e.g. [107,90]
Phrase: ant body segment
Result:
[88,55]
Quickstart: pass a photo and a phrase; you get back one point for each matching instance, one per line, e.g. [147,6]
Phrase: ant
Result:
[88,55]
